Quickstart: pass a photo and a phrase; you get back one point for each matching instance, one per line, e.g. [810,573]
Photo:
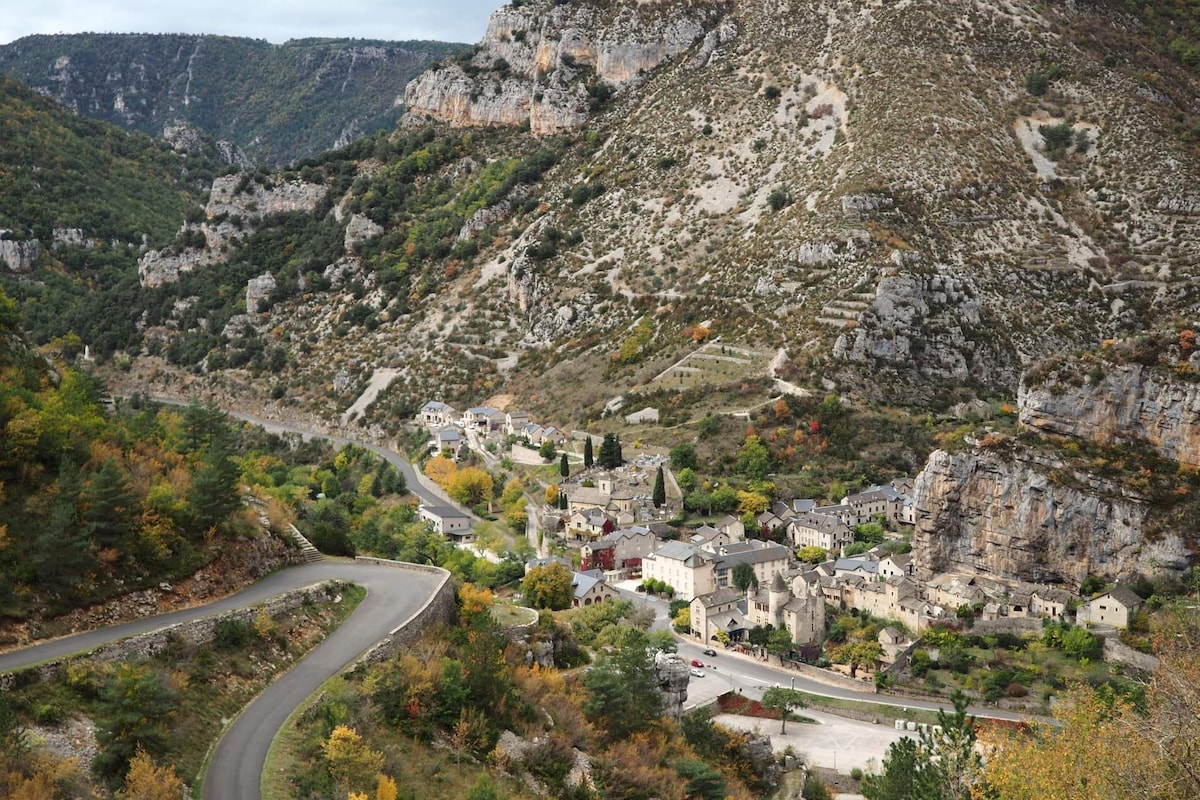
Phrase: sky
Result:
[273,20]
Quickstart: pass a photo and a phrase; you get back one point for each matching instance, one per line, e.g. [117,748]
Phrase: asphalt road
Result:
[236,767]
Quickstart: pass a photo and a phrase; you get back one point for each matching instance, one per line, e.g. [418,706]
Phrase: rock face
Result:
[234,201]
[673,675]
[277,103]
[541,62]
[1023,517]
[258,289]
[19,256]
[924,324]
[1130,403]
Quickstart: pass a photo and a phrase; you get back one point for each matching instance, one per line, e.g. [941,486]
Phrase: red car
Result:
[696,663]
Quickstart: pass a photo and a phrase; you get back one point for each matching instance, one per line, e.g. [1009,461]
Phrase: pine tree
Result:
[62,550]
[660,489]
[214,492]
[109,505]
[588,458]
[610,451]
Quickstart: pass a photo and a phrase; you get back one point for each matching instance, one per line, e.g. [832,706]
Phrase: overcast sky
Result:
[273,20]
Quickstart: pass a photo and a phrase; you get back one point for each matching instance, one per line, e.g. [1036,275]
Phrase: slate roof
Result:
[1125,596]
[446,512]
[852,564]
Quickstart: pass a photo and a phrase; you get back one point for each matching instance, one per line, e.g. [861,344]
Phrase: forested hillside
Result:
[96,504]
[62,171]
[276,102]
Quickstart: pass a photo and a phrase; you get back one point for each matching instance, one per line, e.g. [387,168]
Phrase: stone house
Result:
[766,558]
[718,611]
[684,567]
[628,546]
[709,537]
[478,417]
[515,423]
[448,441]
[590,588]
[732,526]
[803,616]
[809,529]
[1049,601]
[897,565]
[1115,608]
[448,521]
[436,414]
[591,523]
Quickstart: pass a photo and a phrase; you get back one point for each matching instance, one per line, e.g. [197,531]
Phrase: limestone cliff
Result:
[1013,514]
[235,201]
[547,63]
[1118,404]
[19,256]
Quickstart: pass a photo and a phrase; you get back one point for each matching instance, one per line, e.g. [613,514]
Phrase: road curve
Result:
[235,769]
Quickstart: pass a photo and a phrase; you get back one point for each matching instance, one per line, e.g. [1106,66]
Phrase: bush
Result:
[772,92]
[856,774]
[232,635]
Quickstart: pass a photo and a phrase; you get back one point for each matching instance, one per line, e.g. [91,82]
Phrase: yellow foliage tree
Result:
[752,503]
[148,782]
[474,600]
[441,471]
[552,495]
[352,764]
[386,789]
[470,486]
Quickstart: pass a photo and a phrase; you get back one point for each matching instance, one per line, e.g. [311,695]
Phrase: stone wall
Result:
[198,631]
[1017,625]
[440,608]
[832,678]
[1117,652]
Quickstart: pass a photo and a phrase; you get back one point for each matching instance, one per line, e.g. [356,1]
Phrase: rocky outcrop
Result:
[541,62]
[19,256]
[359,230]
[673,674]
[258,290]
[1012,514]
[1117,404]
[925,323]
[234,201]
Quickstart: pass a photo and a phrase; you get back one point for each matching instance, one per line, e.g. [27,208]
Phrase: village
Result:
[781,569]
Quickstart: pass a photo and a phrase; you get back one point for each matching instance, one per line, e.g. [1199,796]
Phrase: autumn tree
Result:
[548,586]
[857,654]
[352,764]
[471,486]
[552,495]
[145,781]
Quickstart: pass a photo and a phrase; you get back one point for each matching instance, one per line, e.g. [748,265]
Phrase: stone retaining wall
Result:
[1015,625]
[832,678]
[1121,653]
[440,608]
[197,631]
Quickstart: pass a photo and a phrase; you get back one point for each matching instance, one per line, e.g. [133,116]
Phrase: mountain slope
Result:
[900,200]
[58,171]
[277,103]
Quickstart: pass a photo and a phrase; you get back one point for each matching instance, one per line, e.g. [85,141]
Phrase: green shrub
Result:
[232,634]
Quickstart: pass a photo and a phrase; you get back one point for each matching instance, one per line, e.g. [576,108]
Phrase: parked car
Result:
[699,673]
[708,651]
[697,663]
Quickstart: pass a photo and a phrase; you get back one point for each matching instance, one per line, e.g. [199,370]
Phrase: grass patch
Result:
[507,615]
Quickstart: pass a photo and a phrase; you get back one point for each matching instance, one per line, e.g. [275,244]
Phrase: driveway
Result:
[833,742]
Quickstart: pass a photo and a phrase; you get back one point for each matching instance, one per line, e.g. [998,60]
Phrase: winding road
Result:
[394,595]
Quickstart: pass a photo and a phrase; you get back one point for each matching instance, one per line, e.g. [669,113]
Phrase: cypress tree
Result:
[660,489]
[563,468]
[588,458]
